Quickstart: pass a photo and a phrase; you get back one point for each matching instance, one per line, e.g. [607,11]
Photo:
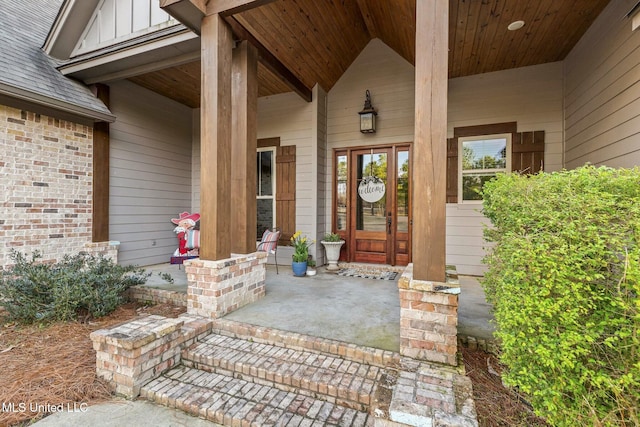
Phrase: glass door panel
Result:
[402,191]
[341,192]
[371,200]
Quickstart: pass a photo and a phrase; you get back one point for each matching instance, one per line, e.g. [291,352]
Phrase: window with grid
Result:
[481,158]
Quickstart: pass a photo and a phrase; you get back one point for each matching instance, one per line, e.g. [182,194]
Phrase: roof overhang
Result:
[22,98]
[172,46]
[68,27]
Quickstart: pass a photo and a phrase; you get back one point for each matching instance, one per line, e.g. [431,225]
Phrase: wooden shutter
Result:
[452,170]
[527,150]
[286,192]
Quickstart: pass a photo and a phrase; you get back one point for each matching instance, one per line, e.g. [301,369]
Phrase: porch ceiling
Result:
[318,40]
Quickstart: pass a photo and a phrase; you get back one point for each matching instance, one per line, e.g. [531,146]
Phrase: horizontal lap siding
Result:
[289,117]
[530,96]
[602,89]
[150,174]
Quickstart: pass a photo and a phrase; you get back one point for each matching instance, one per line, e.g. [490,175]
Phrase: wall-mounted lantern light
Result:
[368,116]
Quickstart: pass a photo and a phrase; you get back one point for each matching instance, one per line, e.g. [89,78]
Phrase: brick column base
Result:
[132,354]
[108,249]
[216,288]
[428,318]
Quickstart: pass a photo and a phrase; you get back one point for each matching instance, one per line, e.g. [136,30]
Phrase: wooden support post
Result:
[100,214]
[430,142]
[215,135]
[244,102]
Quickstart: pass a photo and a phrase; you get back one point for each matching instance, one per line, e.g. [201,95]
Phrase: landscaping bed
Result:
[52,365]
[55,365]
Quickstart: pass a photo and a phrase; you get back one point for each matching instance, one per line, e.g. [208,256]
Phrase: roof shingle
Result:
[25,68]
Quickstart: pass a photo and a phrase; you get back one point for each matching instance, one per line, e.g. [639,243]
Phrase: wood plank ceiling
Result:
[318,39]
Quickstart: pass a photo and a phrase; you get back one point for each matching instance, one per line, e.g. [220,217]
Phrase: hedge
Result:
[564,279]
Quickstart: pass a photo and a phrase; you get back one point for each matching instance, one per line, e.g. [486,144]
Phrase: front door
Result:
[378,205]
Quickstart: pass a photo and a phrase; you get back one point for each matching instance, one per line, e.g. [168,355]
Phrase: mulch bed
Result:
[496,405]
[55,365]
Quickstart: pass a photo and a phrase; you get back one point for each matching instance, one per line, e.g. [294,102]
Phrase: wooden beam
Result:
[100,214]
[244,103]
[363,5]
[231,7]
[215,139]
[430,141]
[270,61]
[188,12]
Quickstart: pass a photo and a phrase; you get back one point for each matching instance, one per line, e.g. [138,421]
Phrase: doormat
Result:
[368,274]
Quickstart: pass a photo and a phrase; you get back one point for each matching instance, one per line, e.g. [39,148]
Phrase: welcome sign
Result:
[371,189]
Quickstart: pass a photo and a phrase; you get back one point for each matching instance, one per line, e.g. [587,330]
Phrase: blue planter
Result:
[299,268]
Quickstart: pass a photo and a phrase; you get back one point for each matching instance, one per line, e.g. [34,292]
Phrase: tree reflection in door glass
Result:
[371,216]
[402,197]
[341,192]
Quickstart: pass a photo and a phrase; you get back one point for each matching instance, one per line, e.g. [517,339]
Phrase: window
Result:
[266,186]
[480,158]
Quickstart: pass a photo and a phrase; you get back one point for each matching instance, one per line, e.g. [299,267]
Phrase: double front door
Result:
[373,204]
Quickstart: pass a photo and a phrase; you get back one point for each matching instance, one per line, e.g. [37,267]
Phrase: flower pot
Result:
[332,250]
[299,268]
[311,271]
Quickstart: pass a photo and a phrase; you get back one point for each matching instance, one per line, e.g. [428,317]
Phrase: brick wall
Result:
[46,182]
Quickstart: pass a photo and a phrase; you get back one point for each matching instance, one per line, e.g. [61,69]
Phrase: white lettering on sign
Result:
[371,189]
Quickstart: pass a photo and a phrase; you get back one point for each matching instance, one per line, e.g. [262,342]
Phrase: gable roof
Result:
[27,74]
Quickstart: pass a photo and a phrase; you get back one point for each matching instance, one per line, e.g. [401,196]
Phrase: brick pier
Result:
[216,288]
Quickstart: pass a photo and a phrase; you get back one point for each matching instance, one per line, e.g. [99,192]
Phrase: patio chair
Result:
[269,244]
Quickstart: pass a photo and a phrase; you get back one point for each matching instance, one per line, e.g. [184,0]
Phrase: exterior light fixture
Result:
[368,116]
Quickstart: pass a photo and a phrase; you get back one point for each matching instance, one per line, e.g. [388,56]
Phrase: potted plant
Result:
[300,253]
[311,266]
[332,244]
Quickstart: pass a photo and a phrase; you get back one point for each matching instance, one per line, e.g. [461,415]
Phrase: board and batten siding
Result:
[531,96]
[150,172]
[602,92]
[115,21]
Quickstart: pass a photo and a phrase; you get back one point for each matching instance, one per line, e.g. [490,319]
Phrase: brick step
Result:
[324,376]
[293,340]
[236,402]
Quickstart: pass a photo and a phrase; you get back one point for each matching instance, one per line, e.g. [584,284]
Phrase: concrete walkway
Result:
[120,412]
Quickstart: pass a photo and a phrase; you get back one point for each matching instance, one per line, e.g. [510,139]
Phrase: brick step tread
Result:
[236,402]
[325,374]
[282,338]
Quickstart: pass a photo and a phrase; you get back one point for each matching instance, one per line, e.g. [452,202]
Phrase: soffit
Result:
[318,40]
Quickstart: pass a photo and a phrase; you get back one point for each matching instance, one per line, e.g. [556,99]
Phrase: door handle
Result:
[389,225]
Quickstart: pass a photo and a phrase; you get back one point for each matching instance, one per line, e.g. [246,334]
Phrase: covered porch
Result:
[354,310]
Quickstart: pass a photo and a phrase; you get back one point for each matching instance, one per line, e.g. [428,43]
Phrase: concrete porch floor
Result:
[355,310]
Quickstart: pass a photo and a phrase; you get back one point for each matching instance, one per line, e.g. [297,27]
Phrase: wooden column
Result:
[100,214]
[244,102]
[430,141]
[215,136]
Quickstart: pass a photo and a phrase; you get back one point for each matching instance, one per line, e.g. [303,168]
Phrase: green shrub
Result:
[83,284]
[564,278]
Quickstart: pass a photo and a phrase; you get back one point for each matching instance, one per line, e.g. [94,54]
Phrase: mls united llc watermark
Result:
[43,408]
